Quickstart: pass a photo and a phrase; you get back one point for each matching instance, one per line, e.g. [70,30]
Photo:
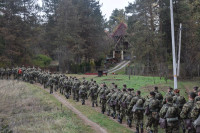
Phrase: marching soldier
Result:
[186,113]
[152,109]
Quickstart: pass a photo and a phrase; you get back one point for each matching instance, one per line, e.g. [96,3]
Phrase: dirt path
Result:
[93,125]
[97,128]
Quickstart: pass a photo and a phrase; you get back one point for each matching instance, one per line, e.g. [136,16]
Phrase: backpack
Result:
[138,106]
[154,104]
[171,112]
[159,96]
[180,100]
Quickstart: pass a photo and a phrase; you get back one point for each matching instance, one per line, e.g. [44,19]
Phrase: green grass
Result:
[26,108]
[145,83]
[101,119]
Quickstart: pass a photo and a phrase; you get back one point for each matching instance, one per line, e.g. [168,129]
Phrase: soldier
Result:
[197,98]
[102,93]
[66,87]
[82,93]
[76,86]
[152,109]
[123,105]
[51,83]
[117,103]
[195,89]
[129,114]
[136,106]
[170,113]
[179,101]
[186,113]
[113,103]
[8,72]
[3,72]
[158,95]
[195,113]
[61,83]
[93,93]
[108,102]
[169,93]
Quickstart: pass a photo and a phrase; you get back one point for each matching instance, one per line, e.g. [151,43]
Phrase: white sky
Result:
[109,5]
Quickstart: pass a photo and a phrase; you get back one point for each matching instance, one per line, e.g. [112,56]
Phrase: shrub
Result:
[41,60]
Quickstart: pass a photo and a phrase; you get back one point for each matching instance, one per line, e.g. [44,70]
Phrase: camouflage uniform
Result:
[185,114]
[51,83]
[76,85]
[108,102]
[113,103]
[123,106]
[93,93]
[117,103]
[66,88]
[138,112]
[102,94]
[170,113]
[170,93]
[153,117]
[82,93]
[195,114]
[129,113]
[197,98]
[179,101]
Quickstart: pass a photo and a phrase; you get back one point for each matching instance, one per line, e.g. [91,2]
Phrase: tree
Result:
[117,16]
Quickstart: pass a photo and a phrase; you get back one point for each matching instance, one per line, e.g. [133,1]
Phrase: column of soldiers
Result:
[170,112]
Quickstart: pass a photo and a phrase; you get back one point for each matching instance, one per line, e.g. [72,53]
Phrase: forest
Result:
[76,34]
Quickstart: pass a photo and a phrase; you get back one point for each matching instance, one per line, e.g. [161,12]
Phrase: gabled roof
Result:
[121,30]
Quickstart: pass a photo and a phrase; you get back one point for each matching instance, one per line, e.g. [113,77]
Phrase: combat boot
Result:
[108,113]
[130,123]
[113,115]
[118,118]
[142,130]
[137,130]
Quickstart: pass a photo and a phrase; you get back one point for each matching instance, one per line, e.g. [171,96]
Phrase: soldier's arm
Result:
[163,111]
[195,112]
[184,111]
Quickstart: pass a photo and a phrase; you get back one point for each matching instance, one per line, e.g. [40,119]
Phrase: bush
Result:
[41,60]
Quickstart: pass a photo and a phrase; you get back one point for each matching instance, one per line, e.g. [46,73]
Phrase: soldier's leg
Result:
[74,94]
[83,99]
[149,124]
[129,118]
[77,96]
[121,115]
[61,92]
[103,106]
[108,109]
[51,89]
[155,126]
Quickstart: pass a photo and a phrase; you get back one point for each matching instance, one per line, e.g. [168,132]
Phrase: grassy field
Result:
[25,108]
[101,119]
[145,83]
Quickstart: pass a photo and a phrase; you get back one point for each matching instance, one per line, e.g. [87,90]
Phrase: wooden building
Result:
[121,47]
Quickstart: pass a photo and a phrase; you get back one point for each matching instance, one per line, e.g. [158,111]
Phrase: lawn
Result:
[25,108]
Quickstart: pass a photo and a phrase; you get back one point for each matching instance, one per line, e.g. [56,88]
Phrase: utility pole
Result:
[179,51]
[173,45]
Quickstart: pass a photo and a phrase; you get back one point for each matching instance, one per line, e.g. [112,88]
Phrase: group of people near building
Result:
[172,112]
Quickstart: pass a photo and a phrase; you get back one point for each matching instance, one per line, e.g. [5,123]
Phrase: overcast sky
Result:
[109,5]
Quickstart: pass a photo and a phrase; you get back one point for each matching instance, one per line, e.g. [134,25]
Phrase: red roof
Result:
[121,30]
